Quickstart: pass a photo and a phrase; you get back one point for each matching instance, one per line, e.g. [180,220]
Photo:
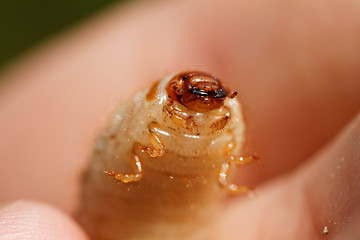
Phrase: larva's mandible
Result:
[160,167]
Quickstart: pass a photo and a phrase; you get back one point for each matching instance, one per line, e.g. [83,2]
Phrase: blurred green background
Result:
[25,23]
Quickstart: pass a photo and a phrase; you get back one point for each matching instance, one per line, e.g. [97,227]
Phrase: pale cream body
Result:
[179,192]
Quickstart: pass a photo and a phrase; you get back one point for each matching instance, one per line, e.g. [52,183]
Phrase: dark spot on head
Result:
[220,93]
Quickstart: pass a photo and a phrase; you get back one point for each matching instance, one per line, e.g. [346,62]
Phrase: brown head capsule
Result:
[198,91]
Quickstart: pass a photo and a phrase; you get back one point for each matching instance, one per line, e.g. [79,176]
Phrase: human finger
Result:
[29,220]
[58,98]
[319,199]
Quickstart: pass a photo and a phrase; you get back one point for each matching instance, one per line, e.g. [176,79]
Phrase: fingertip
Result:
[29,220]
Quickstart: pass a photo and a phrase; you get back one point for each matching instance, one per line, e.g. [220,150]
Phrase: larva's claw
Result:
[129,177]
[231,187]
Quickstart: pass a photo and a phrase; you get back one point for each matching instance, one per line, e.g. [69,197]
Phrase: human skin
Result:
[295,66]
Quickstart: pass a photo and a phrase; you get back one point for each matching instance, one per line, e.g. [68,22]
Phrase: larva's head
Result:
[198,91]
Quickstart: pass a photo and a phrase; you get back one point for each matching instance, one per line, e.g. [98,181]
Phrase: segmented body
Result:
[180,152]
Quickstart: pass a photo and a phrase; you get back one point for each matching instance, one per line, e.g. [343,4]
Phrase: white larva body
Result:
[179,191]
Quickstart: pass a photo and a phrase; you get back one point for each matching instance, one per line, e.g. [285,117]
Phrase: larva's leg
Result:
[157,148]
[224,170]
[223,180]
[238,160]
[129,177]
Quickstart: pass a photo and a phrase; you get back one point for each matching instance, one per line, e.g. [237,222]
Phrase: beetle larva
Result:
[160,167]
